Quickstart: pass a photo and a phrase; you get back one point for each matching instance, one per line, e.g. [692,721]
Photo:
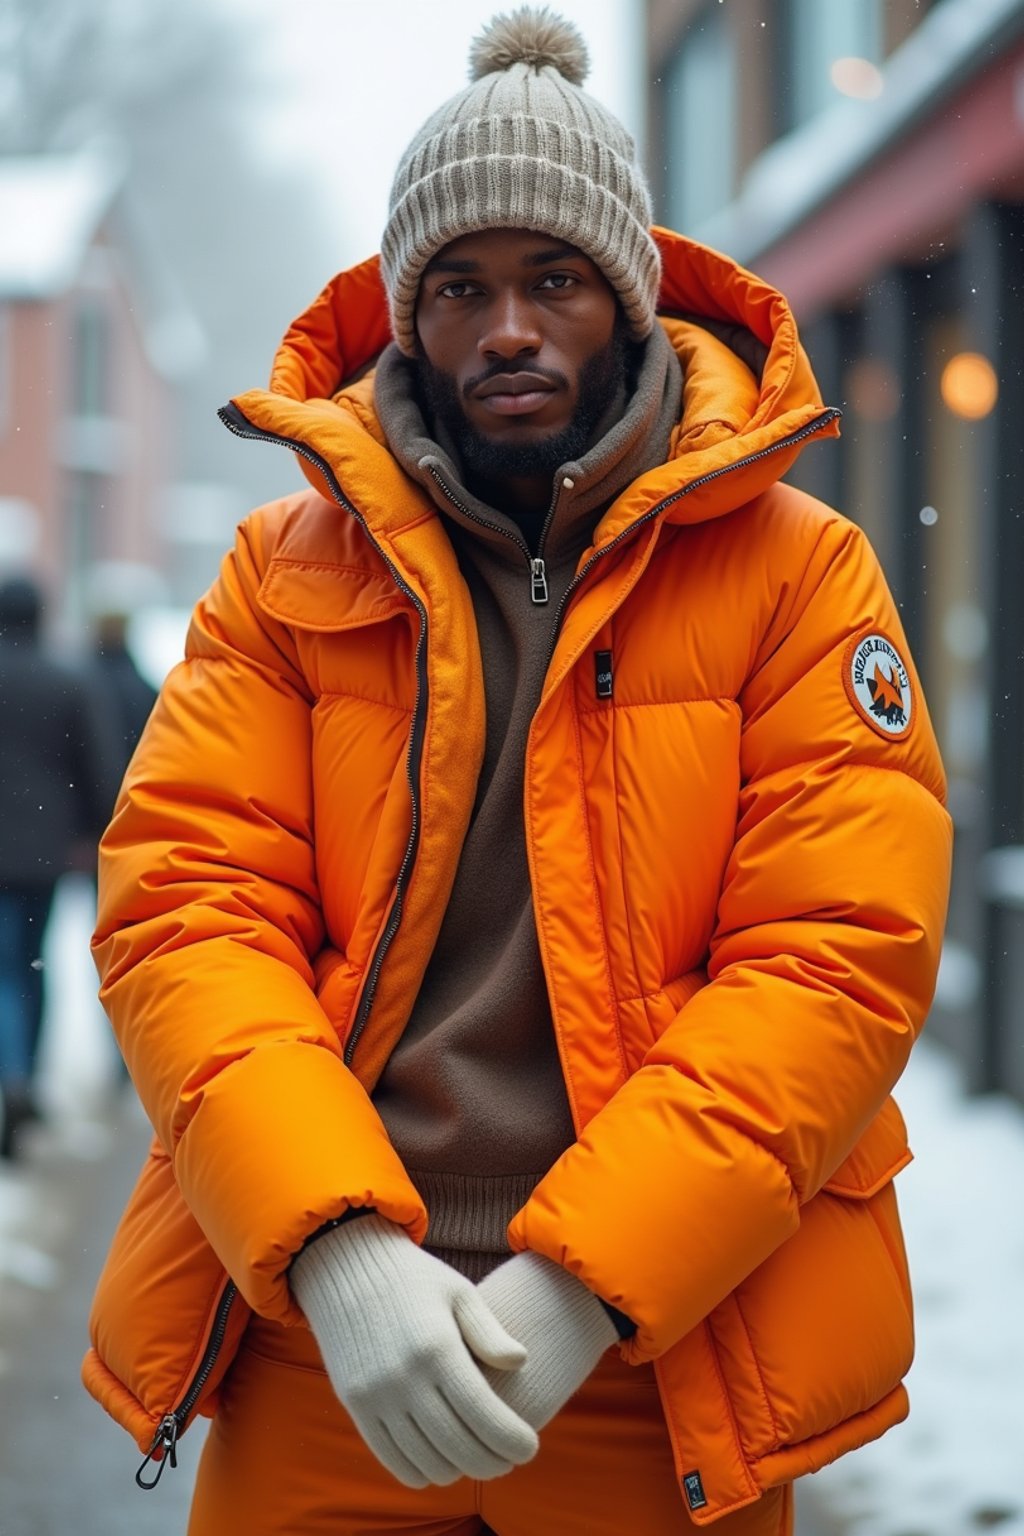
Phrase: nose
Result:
[510,328]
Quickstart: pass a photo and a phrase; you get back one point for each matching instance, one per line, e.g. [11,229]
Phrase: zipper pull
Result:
[538,581]
[166,1441]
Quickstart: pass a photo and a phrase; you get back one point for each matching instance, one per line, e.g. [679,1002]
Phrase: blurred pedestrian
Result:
[115,592]
[131,695]
[58,777]
[526,893]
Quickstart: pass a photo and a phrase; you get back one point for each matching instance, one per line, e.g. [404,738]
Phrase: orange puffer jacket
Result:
[739,864]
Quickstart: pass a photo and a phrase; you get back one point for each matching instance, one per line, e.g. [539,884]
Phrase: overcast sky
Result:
[358,77]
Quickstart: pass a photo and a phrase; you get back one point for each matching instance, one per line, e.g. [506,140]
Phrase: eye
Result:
[457,290]
[558,280]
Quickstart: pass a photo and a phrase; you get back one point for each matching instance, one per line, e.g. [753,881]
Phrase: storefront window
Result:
[91,360]
[956,627]
[835,49]
[700,121]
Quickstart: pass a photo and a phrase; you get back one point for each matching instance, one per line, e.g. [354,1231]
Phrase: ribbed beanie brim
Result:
[523,147]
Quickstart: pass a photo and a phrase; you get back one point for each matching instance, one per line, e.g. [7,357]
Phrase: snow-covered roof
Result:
[50,209]
[804,169]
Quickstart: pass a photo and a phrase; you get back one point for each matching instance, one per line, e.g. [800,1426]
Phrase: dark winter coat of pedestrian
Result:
[59,771]
[130,696]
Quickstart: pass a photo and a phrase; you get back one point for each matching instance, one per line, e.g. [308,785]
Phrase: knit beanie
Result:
[523,147]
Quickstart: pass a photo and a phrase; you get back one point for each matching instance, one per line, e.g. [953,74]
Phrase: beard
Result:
[604,376]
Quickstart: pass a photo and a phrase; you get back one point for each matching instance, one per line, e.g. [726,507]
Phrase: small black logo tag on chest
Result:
[604,680]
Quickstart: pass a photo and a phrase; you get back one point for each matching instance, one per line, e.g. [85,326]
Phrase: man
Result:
[518,910]
[58,777]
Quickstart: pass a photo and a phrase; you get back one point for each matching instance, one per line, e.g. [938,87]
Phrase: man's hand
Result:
[565,1328]
[398,1331]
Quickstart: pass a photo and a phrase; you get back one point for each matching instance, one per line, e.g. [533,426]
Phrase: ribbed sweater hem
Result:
[469,1216]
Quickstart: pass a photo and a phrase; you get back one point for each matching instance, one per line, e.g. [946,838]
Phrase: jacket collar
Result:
[634,437]
[742,425]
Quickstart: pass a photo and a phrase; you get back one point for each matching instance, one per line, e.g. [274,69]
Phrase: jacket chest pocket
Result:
[823,1329]
[354,629]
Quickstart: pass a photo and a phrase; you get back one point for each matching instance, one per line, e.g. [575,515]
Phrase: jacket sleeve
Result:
[209,919]
[822,967]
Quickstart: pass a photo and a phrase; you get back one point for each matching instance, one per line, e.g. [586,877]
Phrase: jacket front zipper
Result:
[173,1424]
[538,570]
[234,420]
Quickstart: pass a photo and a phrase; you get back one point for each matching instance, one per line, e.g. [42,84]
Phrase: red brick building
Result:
[85,363]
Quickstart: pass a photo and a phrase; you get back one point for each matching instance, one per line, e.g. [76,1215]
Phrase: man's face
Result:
[522,348]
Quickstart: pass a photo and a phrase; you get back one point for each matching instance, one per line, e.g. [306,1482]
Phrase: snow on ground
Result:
[79,1058]
[956,1466]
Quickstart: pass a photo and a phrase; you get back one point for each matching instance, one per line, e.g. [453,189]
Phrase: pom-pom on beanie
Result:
[523,147]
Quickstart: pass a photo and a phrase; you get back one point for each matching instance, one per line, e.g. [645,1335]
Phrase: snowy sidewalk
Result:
[957,1464]
[64,1466]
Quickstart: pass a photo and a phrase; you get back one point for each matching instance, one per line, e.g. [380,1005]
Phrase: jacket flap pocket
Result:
[878,1157]
[308,594]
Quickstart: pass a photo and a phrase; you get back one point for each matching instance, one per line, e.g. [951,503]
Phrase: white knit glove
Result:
[565,1328]
[398,1331]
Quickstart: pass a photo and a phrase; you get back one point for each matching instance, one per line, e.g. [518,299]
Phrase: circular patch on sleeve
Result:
[878,685]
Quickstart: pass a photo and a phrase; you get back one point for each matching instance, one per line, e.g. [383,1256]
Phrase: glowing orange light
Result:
[857,77]
[969,386]
[873,389]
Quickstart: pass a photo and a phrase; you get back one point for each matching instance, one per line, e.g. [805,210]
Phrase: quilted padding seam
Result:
[428,515]
[891,1255]
[626,903]
[727,1400]
[904,773]
[375,573]
[299,684]
[578,738]
[544,924]
[640,997]
[757,1370]
[364,698]
[845,764]
[714,698]
[662,991]
[865,1189]
[751,1141]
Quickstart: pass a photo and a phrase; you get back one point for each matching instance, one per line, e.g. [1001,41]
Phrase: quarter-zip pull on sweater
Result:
[473,1096]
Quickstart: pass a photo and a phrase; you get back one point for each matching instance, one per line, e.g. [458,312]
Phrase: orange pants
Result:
[283,1459]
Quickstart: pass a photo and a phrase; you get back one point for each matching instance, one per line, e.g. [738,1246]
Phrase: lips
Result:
[514,394]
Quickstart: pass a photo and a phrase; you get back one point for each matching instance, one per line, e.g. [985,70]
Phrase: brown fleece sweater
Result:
[473,1096]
